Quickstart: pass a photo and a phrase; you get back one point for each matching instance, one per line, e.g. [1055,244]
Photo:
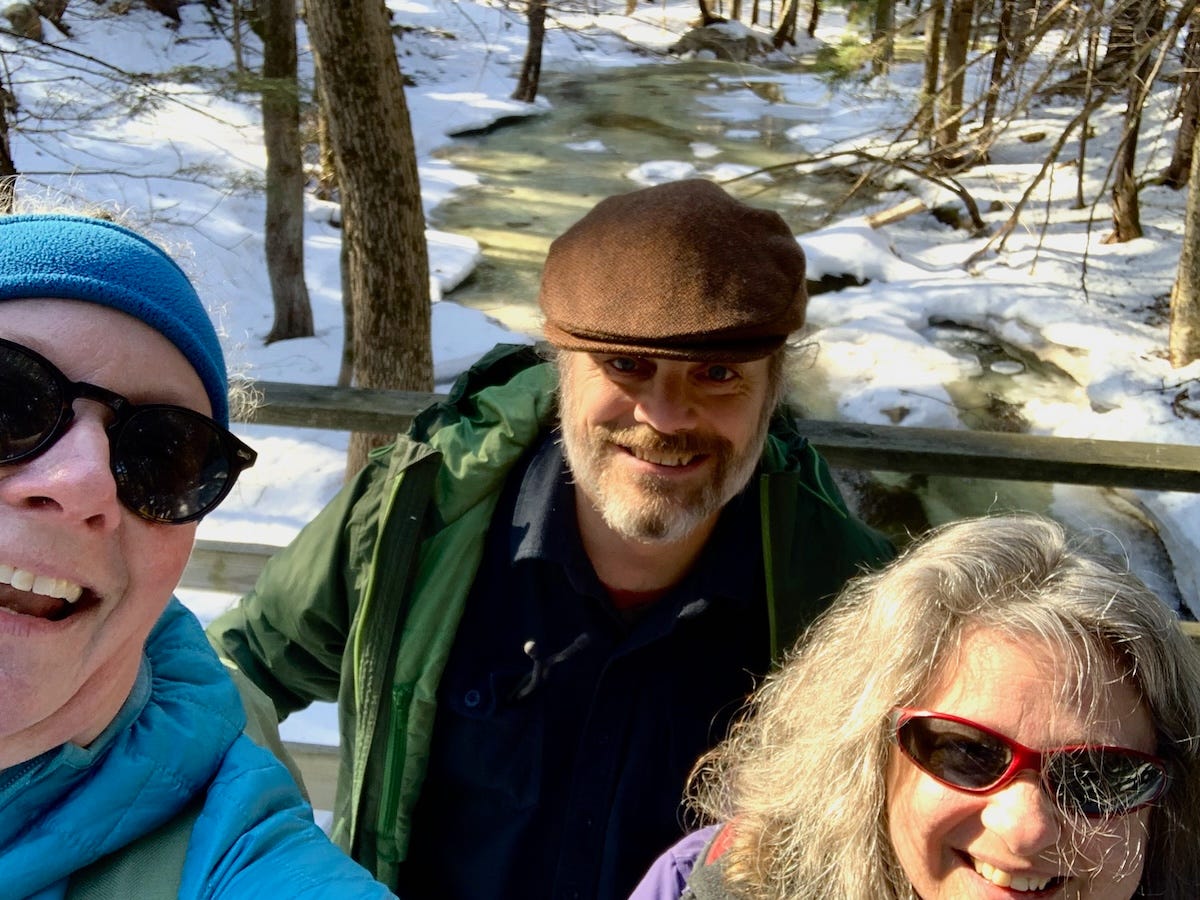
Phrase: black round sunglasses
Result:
[171,464]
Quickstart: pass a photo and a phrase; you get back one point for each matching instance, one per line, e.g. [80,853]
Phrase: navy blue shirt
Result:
[565,730]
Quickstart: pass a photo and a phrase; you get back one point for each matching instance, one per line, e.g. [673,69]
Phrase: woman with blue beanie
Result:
[124,769]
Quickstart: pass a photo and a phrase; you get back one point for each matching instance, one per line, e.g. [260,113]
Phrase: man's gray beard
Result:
[657,514]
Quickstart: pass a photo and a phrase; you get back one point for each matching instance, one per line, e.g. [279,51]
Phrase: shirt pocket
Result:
[492,742]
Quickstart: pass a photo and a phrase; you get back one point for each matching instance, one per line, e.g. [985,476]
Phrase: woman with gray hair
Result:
[999,713]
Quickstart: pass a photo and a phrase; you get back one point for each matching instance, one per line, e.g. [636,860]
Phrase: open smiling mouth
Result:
[41,596]
[1033,886]
[669,458]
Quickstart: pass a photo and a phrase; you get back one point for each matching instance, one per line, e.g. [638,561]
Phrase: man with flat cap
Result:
[548,598]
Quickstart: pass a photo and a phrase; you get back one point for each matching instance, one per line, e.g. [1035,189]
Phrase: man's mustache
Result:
[645,438]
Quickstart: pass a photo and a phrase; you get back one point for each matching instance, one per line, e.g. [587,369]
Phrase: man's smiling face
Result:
[659,446]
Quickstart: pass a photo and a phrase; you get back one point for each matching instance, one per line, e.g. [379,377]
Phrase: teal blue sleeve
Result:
[255,837]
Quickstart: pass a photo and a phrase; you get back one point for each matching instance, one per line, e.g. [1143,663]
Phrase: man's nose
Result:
[666,404]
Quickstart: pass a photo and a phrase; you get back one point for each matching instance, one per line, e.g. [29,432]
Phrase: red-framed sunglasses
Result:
[1092,780]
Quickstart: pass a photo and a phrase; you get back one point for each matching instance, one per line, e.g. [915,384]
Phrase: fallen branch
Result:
[909,207]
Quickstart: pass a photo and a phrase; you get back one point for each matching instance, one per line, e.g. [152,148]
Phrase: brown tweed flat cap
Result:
[681,271]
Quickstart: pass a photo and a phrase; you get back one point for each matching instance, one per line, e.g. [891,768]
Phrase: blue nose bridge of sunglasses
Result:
[171,464]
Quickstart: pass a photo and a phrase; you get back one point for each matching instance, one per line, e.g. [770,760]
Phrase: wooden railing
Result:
[233,567]
[885,448]
[318,764]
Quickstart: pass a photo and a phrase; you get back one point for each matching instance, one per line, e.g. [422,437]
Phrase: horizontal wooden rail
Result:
[1007,456]
[227,567]
[318,764]
[891,448]
[334,408]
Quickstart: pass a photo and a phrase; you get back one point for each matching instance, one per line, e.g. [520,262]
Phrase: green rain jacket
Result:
[362,607]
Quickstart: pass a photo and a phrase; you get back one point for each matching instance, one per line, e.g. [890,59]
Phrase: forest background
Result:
[1012,217]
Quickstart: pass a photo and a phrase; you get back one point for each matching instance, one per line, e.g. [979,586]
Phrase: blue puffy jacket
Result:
[177,742]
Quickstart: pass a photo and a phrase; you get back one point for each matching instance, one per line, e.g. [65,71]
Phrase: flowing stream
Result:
[540,174]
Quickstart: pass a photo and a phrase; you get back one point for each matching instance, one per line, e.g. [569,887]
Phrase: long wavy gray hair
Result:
[804,772]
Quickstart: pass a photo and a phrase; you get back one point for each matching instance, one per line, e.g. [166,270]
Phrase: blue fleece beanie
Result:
[77,258]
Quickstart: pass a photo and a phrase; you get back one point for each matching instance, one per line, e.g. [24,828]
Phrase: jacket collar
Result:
[72,805]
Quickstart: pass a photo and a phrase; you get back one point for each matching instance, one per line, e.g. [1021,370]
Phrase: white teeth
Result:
[1003,879]
[57,587]
[46,585]
[662,459]
[22,580]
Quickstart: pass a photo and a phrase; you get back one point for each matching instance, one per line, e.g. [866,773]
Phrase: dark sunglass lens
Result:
[31,404]
[1098,782]
[170,465]
[955,753]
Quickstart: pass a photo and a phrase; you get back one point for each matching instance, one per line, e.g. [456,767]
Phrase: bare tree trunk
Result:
[326,170]
[883,26]
[927,114]
[707,16]
[382,219]
[814,16]
[954,68]
[999,60]
[235,35]
[1121,43]
[1025,16]
[786,32]
[1176,175]
[1126,213]
[1127,219]
[284,227]
[1185,295]
[1132,21]
[531,68]
[8,169]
